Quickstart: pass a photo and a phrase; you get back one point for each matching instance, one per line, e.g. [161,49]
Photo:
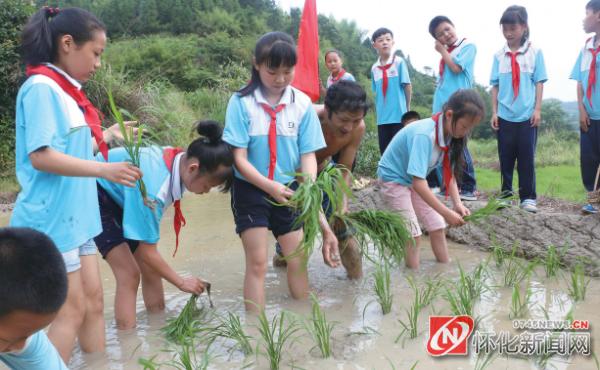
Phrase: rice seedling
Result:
[386,229]
[462,294]
[516,271]
[319,328]
[230,327]
[498,253]
[132,143]
[185,326]
[519,301]
[485,359]
[275,335]
[410,326]
[185,358]
[578,283]
[552,262]
[382,287]
[491,208]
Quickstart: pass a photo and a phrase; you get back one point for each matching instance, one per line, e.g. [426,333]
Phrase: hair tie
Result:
[51,12]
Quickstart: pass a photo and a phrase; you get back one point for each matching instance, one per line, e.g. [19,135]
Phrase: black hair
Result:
[436,21]
[411,115]
[41,34]
[32,272]
[211,151]
[346,96]
[380,32]
[275,49]
[593,5]
[339,53]
[516,14]
[464,102]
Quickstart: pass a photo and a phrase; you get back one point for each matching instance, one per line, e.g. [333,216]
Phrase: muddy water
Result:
[363,338]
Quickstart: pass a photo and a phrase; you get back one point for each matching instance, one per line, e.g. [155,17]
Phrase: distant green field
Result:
[562,182]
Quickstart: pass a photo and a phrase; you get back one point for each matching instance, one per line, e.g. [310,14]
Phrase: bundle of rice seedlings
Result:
[132,145]
[491,208]
[320,328]
[387,231]
[185,326]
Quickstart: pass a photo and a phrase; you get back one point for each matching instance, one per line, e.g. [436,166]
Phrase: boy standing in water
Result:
[391,84]
[343,126]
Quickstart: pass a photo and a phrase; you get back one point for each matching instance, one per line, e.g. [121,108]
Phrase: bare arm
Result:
[422,188]
[494,94]
[408,94]
[536,119]
[455,68]
[150,256]
[52,161]
[584,118]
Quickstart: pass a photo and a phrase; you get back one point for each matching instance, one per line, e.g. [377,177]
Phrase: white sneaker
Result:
[529,205]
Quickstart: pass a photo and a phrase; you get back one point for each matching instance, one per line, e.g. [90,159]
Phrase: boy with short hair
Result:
[585,72]
[33,287]
[456,71]
[391,84]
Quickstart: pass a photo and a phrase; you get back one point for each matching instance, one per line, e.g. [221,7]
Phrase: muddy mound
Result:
[557,223]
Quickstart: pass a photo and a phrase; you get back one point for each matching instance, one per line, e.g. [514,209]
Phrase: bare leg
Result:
[92,336]
[439,245]
[255,248]
[297,273]
[412,253]
[152,286]
[351,258]
[64,328]
[127,275]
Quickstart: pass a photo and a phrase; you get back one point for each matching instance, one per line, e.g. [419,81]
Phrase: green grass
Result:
[9,184]
[562,182]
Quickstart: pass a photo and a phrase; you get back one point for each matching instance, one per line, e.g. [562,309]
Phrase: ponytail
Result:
[212,152]
[41,34]
[463,103]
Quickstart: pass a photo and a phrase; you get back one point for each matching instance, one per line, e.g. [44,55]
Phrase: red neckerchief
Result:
[446,168]
[272,135]
[516,70]
[339,76]
[178,219]
[90,113]
[592,76]
[384,69]
[442,63]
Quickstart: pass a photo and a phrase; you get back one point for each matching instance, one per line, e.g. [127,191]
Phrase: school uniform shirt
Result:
[63,207]
[533,71]
[412,152]
[38,354]
[463,55]
[298,131]
[581,73]
[140,222]
[346,77]
[391,108]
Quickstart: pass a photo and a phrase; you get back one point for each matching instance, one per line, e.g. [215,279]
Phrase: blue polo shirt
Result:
[464,56]
[581,73]
[64,208]
[533,71]
[38,354]
[139,221]
[391,108]
[412,153]
[298,131]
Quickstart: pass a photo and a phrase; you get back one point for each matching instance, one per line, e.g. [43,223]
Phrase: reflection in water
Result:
[362,339]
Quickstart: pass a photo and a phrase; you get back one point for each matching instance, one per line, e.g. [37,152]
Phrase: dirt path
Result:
[557,223]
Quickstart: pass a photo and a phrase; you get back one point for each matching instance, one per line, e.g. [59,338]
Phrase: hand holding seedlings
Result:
[192,285]
[121,173]
[280,192]
[114,136]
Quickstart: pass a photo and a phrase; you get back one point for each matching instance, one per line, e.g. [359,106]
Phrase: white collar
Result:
[589,44]
[523,49]
[287,98]
[64,74]
[177,188]
[458,42]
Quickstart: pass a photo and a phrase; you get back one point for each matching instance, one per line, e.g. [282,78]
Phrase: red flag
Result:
[307,68]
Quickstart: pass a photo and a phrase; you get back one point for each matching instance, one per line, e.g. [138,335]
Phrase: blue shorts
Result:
[252,209]
[72,258]
[111,215]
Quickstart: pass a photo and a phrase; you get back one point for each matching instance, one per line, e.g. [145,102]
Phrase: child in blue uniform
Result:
[33,288]
[518,76]
[274,130]
[456,72]
[391,84]
[130,234]
[414,153]
[585,72]
[55,163]
[334,63]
